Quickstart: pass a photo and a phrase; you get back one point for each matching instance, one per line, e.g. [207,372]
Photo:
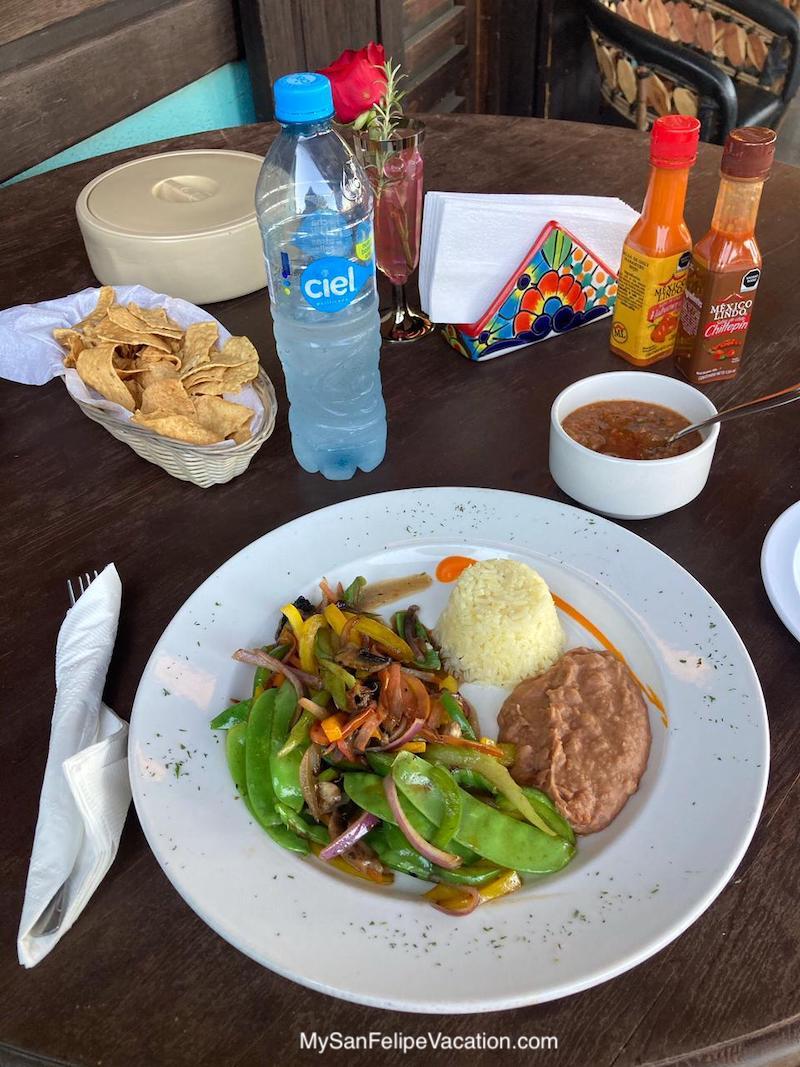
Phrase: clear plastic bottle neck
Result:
[307,129]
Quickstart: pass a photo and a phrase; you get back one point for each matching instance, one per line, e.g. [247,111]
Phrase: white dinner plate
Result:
[629,891]
[780,568]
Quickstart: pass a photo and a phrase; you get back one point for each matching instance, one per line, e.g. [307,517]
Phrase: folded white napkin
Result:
[86,790]
[473,242]
[29,354]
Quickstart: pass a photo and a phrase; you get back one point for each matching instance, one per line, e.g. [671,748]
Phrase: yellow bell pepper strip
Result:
[494,772]
[341,865]
[508,882]
[453,899]
[306,642]
[449,683]
[295,620]
[456,714]
[413,746]
[332,727]
[336,618]
[385,637]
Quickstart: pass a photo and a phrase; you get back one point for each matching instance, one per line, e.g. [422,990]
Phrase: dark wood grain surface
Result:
[140,979]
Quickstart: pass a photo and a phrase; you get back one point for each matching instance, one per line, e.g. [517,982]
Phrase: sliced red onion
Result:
[424,676]
[309,766]
[407,735]
[354,832]
[416,840]
[316,709]
[471,897]
[257,658]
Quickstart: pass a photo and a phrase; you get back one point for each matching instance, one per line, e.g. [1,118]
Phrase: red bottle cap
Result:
[748,152]
[673,141]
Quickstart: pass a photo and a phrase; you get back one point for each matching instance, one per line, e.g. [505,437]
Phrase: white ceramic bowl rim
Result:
[709,440]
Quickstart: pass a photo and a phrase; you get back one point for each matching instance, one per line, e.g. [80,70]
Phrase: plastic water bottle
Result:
[314,209]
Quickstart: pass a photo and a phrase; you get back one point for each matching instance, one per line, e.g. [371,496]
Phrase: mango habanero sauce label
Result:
[714,322]
[648,305]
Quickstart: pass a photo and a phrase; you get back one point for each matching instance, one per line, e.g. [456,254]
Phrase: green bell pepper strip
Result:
[499,838]
[285,770]
[314,831]
[323,649]
[335,759]
[452,805]
[260,795]
[456,714]
[366,790]
[353,591]
[235,754]
[231,716]
[399,623]
[330,774]
[299,735]
[546,808]
[494,772]
[337,681]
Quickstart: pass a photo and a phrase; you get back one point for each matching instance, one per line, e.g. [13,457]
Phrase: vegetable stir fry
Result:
[356,745]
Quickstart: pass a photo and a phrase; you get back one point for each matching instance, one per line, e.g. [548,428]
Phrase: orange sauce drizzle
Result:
[452,566]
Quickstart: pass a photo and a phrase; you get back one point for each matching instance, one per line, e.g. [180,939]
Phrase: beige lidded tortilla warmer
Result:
[180,223]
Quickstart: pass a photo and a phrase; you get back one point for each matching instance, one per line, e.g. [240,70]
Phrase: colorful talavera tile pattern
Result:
[559,287]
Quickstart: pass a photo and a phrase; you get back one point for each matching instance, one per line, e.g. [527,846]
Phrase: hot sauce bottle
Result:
[726,264]
[657,251]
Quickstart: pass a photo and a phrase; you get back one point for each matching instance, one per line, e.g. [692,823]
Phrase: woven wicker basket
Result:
[203,465]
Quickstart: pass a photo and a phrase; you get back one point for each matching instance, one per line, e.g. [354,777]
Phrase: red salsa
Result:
[630,429]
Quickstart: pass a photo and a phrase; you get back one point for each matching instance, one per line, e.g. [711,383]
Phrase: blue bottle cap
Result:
[303,97]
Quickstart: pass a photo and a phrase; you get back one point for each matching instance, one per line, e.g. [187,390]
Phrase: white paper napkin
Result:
[86,790]
[29,354]
[472,242]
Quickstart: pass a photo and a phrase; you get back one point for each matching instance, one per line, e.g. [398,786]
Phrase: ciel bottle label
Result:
[331,283]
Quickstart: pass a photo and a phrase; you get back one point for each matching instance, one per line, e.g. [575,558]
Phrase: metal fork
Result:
[50,919]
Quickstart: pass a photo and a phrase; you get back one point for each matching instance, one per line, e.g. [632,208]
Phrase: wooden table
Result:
[140,979]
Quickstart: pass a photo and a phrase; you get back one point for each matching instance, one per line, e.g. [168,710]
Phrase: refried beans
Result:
[582,734]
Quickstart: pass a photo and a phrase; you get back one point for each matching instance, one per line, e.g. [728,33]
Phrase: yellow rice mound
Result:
[500,624]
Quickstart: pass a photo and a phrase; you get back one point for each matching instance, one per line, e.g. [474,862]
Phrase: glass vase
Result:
[395,171]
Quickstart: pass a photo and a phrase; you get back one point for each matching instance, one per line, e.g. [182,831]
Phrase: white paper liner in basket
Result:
[30,355]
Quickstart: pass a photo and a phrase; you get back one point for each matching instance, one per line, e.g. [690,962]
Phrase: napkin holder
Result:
[558,286]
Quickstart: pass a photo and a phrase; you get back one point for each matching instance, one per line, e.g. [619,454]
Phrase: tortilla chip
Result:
[221,416]
[72,341]
[241,436]
[167,397]
[106,330]
[180,427]
[157,320]
[96,368]
[105,299]
[157,372]
[147,354]
[135,390]
[205,387]
[198,341]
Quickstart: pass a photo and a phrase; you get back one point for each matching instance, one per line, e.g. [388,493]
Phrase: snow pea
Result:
[395,852]
[235,754]
[498,837]
[260,797]
[353,592]
[472,780]
[285,770]
[237,713]
[381,762]
[451,807]
[314,831]
[366,790]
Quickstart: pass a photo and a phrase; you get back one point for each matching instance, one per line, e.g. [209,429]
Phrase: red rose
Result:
[358,80]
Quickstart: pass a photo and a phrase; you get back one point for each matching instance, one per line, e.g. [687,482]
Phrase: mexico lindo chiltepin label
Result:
[648,304]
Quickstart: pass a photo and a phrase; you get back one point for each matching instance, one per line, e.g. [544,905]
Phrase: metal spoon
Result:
[749,407]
